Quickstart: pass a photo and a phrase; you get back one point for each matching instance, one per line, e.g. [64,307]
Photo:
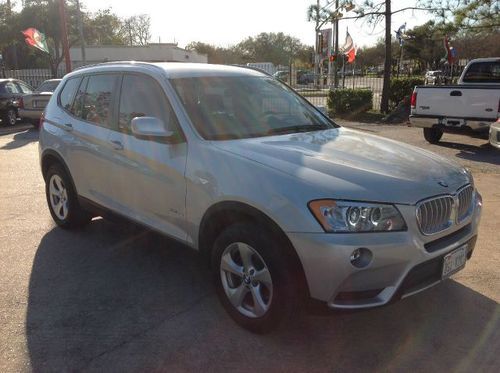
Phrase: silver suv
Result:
[284,204]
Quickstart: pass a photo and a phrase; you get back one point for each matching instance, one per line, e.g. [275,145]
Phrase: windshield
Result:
[48,86]
[239,107]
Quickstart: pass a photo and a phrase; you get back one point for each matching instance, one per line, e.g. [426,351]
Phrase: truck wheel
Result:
[253,277]
[433,135]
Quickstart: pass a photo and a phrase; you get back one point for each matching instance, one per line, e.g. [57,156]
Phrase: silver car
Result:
[284,204]
[31,105]
[495,134]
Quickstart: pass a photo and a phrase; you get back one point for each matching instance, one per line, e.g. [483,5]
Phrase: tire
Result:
[433,135]
[9,118]
[62,199]
[277,289]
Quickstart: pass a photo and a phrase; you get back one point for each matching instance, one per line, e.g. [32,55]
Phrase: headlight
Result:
[348,216]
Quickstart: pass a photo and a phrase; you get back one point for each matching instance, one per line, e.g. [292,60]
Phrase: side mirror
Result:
[150,128]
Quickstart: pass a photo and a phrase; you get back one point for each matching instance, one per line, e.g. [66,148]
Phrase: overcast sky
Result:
[227,22]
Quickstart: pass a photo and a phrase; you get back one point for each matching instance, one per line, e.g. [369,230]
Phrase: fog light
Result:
[360,258]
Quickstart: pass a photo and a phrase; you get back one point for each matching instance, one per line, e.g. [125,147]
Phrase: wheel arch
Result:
[223,214]
[50,157]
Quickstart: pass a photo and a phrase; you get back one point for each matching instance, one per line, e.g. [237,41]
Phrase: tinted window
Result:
[24,88]
[10,87]
[142,96]
[483,72]
[98,99]
[68,92]
[48,86]
[77,108]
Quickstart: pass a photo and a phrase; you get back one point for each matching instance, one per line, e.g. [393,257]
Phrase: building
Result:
[156,52]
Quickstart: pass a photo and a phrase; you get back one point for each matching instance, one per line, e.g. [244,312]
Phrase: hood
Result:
[347,164]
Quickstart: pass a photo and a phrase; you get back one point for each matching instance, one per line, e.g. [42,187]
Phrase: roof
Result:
[179,69]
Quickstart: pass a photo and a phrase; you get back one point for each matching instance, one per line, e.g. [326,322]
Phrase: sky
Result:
[227,22]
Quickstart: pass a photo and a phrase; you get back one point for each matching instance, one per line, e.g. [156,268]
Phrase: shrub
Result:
[347,100]
[401,88]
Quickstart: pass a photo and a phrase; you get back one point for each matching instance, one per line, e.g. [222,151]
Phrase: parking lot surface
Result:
[112,297]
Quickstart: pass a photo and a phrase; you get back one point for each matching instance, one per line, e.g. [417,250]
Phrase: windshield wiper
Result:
[298,128]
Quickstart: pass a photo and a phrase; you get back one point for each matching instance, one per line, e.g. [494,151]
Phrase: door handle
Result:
[68,127]
[117,145]
[455,93]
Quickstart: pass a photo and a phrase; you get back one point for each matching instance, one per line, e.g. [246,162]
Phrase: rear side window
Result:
[142,96]
[10,87]
[94,99]
[483,72]
[68,92]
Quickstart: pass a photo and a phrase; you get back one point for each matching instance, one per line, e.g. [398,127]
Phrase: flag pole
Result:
[64,35]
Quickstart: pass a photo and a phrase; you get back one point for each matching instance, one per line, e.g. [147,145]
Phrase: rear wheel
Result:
[433,135]
[62,199]
[254,278]
[10,117]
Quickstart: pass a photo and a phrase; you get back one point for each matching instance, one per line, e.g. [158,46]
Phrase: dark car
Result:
[11,91]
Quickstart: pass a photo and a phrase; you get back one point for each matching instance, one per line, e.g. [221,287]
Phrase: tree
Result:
[103,28]
[136,30]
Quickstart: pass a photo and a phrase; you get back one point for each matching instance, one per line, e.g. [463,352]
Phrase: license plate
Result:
[453,122]
[454,261]
[39,104]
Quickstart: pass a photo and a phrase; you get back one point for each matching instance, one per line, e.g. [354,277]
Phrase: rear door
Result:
[87,122]
[148,175]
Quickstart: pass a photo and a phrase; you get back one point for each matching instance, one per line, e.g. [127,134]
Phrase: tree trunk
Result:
[384,104]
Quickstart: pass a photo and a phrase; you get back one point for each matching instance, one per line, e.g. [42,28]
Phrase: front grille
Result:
[434,215]
[465,202]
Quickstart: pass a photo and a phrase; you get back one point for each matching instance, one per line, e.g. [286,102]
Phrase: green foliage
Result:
[351,101]
[401,88]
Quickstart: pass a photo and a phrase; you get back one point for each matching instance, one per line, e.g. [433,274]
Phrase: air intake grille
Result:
[435,215]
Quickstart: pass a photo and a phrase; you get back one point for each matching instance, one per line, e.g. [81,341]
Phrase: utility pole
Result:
[80,30]
[384,104]
[316,39]
[64,35]
[336,48]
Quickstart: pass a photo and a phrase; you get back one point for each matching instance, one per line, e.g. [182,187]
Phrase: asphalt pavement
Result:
[112,297]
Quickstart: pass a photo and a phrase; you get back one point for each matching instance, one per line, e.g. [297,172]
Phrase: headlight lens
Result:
[349,216]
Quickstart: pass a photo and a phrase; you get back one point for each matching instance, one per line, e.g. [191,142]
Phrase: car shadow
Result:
[114,298]
[484,153]
[21,139]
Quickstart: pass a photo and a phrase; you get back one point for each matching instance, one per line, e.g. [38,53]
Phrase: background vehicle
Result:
[433,77]
[282,202]
[11,91]
[495,134]
[31,105]
[470,106]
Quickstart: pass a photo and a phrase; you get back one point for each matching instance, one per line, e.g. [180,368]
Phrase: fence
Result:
[34,77]
[315,88]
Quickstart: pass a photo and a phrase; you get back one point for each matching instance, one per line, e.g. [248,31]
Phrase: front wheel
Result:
[62,199]
[433,135]
[253,277]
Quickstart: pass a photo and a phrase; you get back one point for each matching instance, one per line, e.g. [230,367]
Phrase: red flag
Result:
[35,39]
[349,49]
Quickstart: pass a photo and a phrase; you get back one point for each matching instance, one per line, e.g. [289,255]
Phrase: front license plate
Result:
[454,261]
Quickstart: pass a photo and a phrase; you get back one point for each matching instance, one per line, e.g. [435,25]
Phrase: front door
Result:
[147,174]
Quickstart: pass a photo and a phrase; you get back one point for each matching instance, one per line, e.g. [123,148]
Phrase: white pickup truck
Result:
[471,106]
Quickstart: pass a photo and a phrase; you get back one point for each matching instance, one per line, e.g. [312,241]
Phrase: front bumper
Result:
[403,263]
[463,125]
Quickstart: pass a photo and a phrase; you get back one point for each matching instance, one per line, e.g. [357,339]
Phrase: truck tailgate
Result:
[458,101]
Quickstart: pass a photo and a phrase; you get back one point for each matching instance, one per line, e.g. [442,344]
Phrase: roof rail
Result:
[114,63]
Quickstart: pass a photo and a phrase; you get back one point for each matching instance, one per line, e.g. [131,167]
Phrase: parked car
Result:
[495,134]
[468,107]
[11,91]
[283,204]
[31,106]
[282,75]
[433,77]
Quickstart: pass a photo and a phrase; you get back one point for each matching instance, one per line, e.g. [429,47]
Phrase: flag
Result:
[349,49]
[35,39]
[399,34]
[451,52]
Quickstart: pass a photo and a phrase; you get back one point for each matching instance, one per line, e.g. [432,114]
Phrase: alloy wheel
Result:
[58,197]
[246,280]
